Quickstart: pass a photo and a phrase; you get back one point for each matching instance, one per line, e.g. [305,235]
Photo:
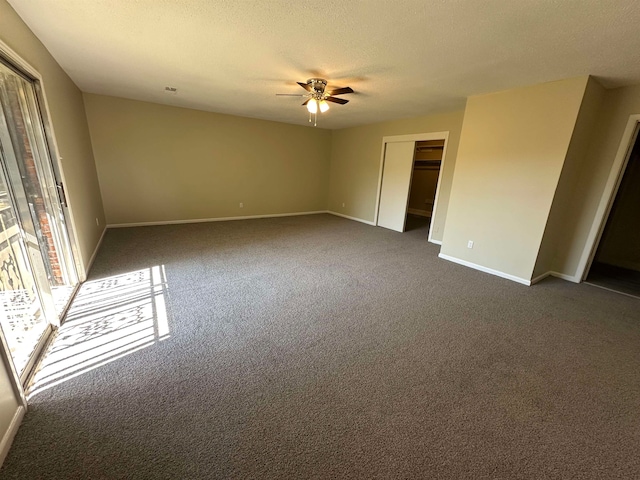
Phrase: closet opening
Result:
[616,263]
[410,166]
[427,161]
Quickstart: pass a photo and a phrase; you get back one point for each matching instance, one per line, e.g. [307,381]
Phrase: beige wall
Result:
[618,105]
[512,149]
[569,186]
[9,408]
[355,164]
[159,163]
[68,117]
[69,122]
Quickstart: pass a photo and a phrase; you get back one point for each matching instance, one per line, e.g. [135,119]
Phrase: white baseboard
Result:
[437,242]
[540,277]
[355,219]
[485,269]
[568,278]
[95,252]
[216,219]
[7,439]
[562,276]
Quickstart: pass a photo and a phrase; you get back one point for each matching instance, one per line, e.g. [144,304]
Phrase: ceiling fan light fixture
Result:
[318,97]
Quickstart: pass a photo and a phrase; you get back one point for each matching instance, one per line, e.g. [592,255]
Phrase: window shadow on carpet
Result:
[110,318]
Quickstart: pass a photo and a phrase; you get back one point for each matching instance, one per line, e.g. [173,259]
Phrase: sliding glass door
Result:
[39,231]
[23,320]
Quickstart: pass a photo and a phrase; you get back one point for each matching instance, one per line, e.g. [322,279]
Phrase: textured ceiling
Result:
[404,58]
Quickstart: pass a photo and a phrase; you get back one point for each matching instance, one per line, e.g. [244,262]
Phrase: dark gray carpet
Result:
[317,347]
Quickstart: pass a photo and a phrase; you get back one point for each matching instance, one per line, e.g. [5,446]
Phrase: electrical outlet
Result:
[97,222]
[241,205]
[343,205]
[470,244]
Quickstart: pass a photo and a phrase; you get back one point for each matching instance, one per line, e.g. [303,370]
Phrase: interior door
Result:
[396,182]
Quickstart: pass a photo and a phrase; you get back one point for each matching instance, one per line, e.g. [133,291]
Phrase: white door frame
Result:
[417,137]
[608,196]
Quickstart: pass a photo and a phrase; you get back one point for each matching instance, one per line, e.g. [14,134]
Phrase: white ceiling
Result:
[403,58]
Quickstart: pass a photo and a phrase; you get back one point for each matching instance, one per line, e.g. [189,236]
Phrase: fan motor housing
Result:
[317,84]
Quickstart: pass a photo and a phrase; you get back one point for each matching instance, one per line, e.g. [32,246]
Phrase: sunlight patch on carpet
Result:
[110,318]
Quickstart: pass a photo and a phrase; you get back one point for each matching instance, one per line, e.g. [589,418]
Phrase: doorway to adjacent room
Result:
[616,262]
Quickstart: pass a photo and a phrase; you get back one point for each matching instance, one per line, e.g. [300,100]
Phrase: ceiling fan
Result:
[318,95]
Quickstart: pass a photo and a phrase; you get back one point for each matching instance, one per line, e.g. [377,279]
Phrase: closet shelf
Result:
[427,163]
[429,148]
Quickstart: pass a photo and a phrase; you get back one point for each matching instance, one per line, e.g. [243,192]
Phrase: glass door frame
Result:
[47,312]
[5,358]
[9,56]
[38,193]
